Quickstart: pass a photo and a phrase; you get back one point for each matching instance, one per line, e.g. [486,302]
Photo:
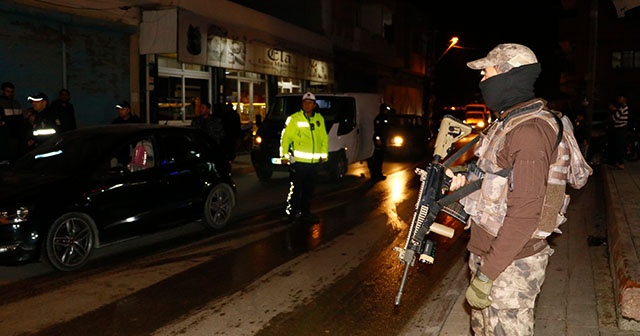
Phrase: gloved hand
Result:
[478,291]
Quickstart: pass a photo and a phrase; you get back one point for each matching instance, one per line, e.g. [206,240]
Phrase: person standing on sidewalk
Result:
[619,132]
[64,110]
[13,123]
[527,157]
[304,145]
[125,116]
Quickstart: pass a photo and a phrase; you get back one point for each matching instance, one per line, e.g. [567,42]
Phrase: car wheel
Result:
[70,241]
[338,168]
[219,206]
[264,173]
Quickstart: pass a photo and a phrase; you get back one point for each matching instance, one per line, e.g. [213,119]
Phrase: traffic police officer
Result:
[304,145]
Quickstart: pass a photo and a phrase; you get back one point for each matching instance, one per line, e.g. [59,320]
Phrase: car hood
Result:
[18,187]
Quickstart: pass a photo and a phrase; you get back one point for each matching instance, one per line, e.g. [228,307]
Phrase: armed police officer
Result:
[513,212]
[304,145]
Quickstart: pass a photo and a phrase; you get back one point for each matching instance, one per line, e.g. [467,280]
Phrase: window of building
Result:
[247,92]
[181,88]
[289,85]
[626,59]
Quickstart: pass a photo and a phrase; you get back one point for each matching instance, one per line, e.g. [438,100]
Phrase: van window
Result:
[345,110]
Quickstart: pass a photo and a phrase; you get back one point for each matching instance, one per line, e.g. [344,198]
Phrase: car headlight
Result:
[257,140]
[397,141]
[18,215]
[481,124]
[44,131]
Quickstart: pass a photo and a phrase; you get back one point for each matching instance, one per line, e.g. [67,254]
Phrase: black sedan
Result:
[94,186]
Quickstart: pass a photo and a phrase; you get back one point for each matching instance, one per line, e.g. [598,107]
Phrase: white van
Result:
[349,121]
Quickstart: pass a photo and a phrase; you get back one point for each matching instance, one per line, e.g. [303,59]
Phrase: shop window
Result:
[289,85]
[246,92]
[180,88]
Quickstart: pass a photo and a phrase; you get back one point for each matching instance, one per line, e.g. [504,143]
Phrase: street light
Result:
[453,41]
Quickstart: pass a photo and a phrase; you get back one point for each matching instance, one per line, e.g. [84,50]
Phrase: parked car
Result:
[94,186]
[407,135]
[477,116]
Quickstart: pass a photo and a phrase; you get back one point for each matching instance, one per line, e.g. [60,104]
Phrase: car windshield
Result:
[288,105]
[67,155]
[474,115]
[404,120]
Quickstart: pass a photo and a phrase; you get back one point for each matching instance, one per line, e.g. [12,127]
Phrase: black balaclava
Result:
[504,90]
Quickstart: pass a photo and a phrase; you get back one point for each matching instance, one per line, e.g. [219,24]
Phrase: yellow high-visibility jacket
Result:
[305,137]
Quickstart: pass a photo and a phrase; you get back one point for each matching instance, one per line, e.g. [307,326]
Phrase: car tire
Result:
[70,241]
[338,167]
[219,205]
[264,172]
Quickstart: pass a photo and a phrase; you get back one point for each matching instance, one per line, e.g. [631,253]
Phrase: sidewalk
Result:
[580,295]
[593,279]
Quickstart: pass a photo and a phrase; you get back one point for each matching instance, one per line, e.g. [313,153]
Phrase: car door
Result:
[181,168]
[131,191]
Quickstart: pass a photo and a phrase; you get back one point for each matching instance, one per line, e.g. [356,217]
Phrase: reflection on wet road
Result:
[263,276]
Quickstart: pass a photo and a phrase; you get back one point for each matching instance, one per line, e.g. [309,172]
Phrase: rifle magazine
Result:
[456,210]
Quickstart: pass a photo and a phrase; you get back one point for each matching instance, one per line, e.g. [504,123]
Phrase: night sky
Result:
[481,25]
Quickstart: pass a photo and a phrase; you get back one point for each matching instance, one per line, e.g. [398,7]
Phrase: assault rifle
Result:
[433,198]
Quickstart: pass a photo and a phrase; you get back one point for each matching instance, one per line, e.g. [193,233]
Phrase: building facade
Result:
[166,58]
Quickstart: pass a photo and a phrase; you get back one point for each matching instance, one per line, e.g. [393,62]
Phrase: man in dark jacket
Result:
[380,125]
[124,114]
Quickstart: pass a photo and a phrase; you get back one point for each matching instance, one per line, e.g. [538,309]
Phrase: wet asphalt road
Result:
[260,276]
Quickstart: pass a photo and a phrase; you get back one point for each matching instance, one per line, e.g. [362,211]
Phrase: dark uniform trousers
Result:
[375,162]
[304,178]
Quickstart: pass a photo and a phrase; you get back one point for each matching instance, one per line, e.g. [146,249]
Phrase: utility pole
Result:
[592,52]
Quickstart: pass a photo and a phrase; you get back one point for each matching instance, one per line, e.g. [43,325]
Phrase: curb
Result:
[624,259]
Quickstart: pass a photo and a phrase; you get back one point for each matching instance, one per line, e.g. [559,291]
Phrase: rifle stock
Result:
[433,186]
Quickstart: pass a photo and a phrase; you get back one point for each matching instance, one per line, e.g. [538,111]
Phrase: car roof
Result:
[94,142]
[475,107]
[115,132]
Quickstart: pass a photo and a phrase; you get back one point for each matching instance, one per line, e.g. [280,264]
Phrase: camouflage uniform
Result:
[513,296]
[512,215]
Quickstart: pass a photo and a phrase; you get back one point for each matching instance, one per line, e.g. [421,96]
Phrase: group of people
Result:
[23,129]
[525,161]
[222,124]
[509,226]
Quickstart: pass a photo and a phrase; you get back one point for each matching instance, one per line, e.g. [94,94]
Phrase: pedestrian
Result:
[64,110]
[210,122]
[125,116]
[13,129]
[304,144]
[41,120]
[232,129]
[526,163]
[619,129]
[380,125]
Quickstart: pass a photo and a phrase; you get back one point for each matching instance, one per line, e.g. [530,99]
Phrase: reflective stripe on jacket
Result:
[306,138]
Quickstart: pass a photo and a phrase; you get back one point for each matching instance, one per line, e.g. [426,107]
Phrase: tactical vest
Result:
[487,206]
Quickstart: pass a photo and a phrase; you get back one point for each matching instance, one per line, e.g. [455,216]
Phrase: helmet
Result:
[309,96]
